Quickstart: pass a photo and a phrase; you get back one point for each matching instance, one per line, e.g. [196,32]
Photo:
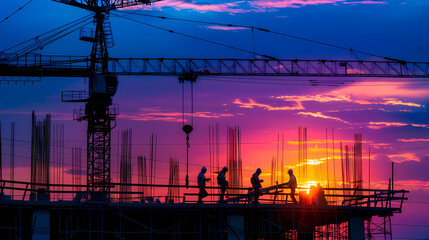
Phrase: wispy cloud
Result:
[377,89]
[224,28]
[323,141]
[153,114]
[247,6]
[366,2]
[303,3]
[296,102]
[317,98]
[420,125]
[228,7]
[387,101]
[290,3]
[380,125]
[405,157]
[252,104]
[323,98]
[320,115]
[414,140]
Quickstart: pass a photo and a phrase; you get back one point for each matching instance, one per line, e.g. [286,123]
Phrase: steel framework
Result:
[78,66]
[74,218]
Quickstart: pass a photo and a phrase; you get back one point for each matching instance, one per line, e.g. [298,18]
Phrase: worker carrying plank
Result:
[292,185]
[256,184]
[223,184]
[202,185]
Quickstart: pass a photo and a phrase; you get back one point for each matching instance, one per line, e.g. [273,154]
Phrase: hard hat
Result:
[290,171]
[225,168]
[258,170]
[203,169]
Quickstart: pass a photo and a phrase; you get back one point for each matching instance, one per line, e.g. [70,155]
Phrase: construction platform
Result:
[350,218]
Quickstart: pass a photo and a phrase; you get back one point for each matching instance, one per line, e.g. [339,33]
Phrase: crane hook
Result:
[187,129]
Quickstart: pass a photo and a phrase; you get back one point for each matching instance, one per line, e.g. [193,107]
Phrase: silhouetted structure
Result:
[58,158]
[40,152]
[125,166]
[302,154]
[77,168]
[235,173]
[142,176]
[173,180]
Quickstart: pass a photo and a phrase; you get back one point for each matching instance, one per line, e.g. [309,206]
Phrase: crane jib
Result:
[75,66]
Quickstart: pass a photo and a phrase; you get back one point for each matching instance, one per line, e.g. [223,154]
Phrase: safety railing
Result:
[146,193]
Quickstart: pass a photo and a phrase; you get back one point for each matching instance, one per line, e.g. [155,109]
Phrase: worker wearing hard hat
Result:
[223,184]
[256,184]
[202,184]
[292,184]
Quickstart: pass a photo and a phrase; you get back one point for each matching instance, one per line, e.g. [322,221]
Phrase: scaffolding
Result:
[76,217]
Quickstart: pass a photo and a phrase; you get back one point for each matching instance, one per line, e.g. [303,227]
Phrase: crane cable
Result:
[195,37]
[19,9]
[76,24]
[269,31]
[52,30]
[187,128]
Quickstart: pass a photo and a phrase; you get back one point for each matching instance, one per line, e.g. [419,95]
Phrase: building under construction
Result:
[361,215]
[47,207]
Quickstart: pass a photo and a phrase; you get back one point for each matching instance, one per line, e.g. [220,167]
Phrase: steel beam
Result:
[78,66]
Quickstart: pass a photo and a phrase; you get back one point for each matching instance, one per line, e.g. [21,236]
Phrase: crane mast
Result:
[99,113]
[99,116]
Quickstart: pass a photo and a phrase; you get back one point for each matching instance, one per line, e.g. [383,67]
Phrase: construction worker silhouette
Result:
[256,184]
[202,185]
[292,184]
[223,184]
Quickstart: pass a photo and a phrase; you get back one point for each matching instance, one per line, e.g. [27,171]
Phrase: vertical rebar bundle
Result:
[273,171]
[357,153]
[347,164]
[278,159]
[282,166]
[343,185]
[125,166]
[62,157]
[152,160]
[213,153]
[173,179]
[234,160]
[333,158]
[327,157]
[351,164]
[142,176]
[76,168]
[40,151]
[12,156]
[58,156]
[302,154]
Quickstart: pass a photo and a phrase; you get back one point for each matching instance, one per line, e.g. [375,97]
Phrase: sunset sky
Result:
[391,114]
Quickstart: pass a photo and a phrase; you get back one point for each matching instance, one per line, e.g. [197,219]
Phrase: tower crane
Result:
[103,71]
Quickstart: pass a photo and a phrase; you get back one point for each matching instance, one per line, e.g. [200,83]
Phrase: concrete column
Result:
[356,228]
[41,225]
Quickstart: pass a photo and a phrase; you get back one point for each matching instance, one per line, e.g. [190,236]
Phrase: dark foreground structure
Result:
[358,214]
